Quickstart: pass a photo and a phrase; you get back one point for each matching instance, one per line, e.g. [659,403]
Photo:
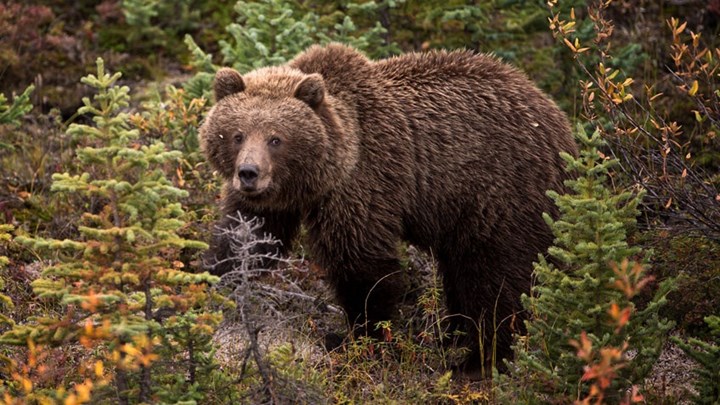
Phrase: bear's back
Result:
[439,66]
[486,126]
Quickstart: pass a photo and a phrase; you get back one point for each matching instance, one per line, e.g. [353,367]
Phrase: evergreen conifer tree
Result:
[125,296]
[708,356]
[271,32]
[582,298]
[267,32]
[10,113]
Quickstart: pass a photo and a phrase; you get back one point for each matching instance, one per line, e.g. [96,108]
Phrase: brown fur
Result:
[450,151]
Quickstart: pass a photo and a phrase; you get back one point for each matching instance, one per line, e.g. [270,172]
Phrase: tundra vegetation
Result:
[106,205]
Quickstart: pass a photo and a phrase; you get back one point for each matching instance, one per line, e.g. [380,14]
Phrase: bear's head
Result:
[270,135]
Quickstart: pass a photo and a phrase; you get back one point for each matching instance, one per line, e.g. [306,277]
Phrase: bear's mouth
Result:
[252,193]
[255,190]
[255,194]
[249,189]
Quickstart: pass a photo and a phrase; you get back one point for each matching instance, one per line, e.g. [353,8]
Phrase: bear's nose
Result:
[248,174]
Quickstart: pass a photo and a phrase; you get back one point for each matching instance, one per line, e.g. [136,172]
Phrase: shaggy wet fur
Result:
[449,151]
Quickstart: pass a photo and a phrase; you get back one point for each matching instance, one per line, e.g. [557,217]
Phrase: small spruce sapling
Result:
[117,281]
[10,113]
[708,355]
[173,118]
[583,294]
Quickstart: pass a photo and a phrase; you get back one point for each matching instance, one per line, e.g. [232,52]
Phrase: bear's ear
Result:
[227,81]
[311,90]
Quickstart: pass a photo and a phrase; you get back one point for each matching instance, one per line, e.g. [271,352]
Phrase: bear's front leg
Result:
[358,248]
[368,287]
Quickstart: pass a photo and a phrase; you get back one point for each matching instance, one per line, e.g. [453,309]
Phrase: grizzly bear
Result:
[449,151]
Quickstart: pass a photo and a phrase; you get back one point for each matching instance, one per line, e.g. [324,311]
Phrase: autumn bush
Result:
[662,130]
[651,151]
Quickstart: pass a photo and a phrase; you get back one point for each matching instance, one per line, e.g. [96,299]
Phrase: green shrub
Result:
[582,301]
[11,113]
[708,356]
[127,301]
[271,32]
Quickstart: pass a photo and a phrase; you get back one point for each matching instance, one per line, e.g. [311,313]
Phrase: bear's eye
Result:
[239,137]
[275,141]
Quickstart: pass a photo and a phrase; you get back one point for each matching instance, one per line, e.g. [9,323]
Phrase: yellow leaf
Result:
[693,88]
[130,350]
[695,39]
[99,368]
[71,400]
[569,25]
[569,44]
[684,173]
[83,391]
[26,384]
[181,180]
[89,327]
[681,28]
